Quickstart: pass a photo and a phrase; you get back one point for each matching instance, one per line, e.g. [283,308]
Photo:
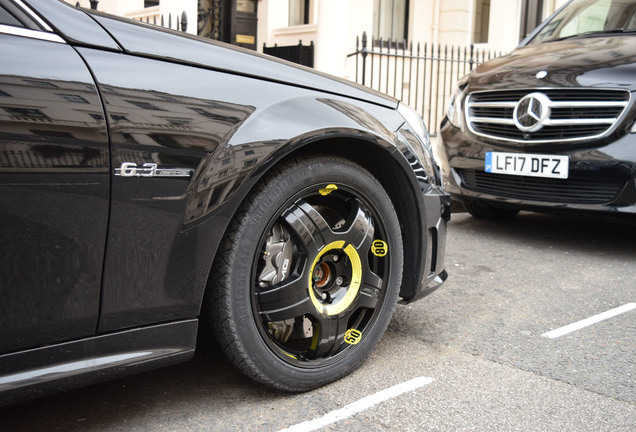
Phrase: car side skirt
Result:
[30,374]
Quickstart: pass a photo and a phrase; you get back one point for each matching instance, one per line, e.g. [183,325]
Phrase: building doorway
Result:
[231,21]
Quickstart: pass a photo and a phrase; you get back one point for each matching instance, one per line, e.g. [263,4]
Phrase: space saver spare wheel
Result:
[308,274]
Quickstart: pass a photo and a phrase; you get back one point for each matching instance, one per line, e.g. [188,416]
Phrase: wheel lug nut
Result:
[335,258]
[324,296]
[339,281]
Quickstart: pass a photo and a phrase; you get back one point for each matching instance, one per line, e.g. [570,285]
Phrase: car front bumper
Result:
[601,179]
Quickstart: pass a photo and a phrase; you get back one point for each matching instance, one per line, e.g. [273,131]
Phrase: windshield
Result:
[583,18]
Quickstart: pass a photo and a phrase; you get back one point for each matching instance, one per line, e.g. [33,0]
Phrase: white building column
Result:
[332,45]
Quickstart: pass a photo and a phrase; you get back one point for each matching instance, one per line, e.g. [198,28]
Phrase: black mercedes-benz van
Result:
[550,126]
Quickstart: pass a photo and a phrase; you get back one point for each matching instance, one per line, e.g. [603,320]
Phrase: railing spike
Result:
[184,22]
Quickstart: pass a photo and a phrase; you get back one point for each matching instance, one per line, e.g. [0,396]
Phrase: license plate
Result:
[534,165]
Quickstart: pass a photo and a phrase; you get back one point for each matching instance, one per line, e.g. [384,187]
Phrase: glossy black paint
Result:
[591,62]
[32,373]
[148,96]
[54,189]
[76,26]
[146,42]
[594,63]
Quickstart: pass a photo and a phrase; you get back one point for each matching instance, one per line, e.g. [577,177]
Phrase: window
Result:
[165,140]
[208,114]
[167,98]
[590,19]
[298,12]
[178,122]
[481,21]
[31,113]
[52,134]
[530,16]
[129,138]
[43,84]
[12,15]
[390,19]
[145,105]
[246,6]
[582,17]
[151,3]
[8,19]
[237,182]
[73,98]
[216,195]
[250,163]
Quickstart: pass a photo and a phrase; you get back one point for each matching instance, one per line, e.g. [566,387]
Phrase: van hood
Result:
[598,62]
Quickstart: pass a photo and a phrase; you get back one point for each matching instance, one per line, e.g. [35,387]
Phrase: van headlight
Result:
[454,112]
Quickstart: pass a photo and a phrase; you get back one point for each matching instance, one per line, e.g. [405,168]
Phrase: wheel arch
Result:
[351,133]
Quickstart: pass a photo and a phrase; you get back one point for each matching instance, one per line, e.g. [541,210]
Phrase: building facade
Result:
[334,25]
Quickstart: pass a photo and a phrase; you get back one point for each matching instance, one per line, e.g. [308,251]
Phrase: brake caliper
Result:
[278,256]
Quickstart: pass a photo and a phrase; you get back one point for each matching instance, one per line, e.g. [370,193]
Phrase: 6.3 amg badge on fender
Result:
[130,169]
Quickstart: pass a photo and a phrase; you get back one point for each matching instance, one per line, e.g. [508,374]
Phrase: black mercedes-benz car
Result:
[551,126]
[151,182]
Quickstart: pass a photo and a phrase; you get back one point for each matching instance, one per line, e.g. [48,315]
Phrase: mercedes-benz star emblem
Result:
[531,112]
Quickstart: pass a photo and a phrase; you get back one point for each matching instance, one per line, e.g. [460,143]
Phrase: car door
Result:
[54,187]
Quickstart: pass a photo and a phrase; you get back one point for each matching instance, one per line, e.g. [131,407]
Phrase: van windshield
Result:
[590,18]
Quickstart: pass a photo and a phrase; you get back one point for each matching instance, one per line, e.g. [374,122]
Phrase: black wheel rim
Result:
[320,274]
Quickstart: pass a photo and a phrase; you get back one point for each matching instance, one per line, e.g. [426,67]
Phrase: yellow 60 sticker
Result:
[379,248]
[353,336]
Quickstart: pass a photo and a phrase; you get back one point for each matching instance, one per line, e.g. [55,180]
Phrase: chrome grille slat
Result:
[576,114]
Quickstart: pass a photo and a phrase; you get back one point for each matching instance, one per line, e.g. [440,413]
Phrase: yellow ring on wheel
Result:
[354,286]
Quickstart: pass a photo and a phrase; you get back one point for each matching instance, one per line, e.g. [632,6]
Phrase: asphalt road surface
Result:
[475,355]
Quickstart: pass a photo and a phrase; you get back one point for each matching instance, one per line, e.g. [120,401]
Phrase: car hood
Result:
[103,31]
[600,62]
[144,40]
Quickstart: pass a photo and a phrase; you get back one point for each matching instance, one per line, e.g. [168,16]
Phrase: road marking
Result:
[359,406]
[589,321]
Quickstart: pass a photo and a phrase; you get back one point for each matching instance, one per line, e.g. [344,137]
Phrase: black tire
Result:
[482,210]
[308,274]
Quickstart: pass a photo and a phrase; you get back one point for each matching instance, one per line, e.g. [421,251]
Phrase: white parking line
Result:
[359,406]
[589,321]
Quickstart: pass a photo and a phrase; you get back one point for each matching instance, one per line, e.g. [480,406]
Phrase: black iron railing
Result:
[423,76]
[179,24]
[301,54]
